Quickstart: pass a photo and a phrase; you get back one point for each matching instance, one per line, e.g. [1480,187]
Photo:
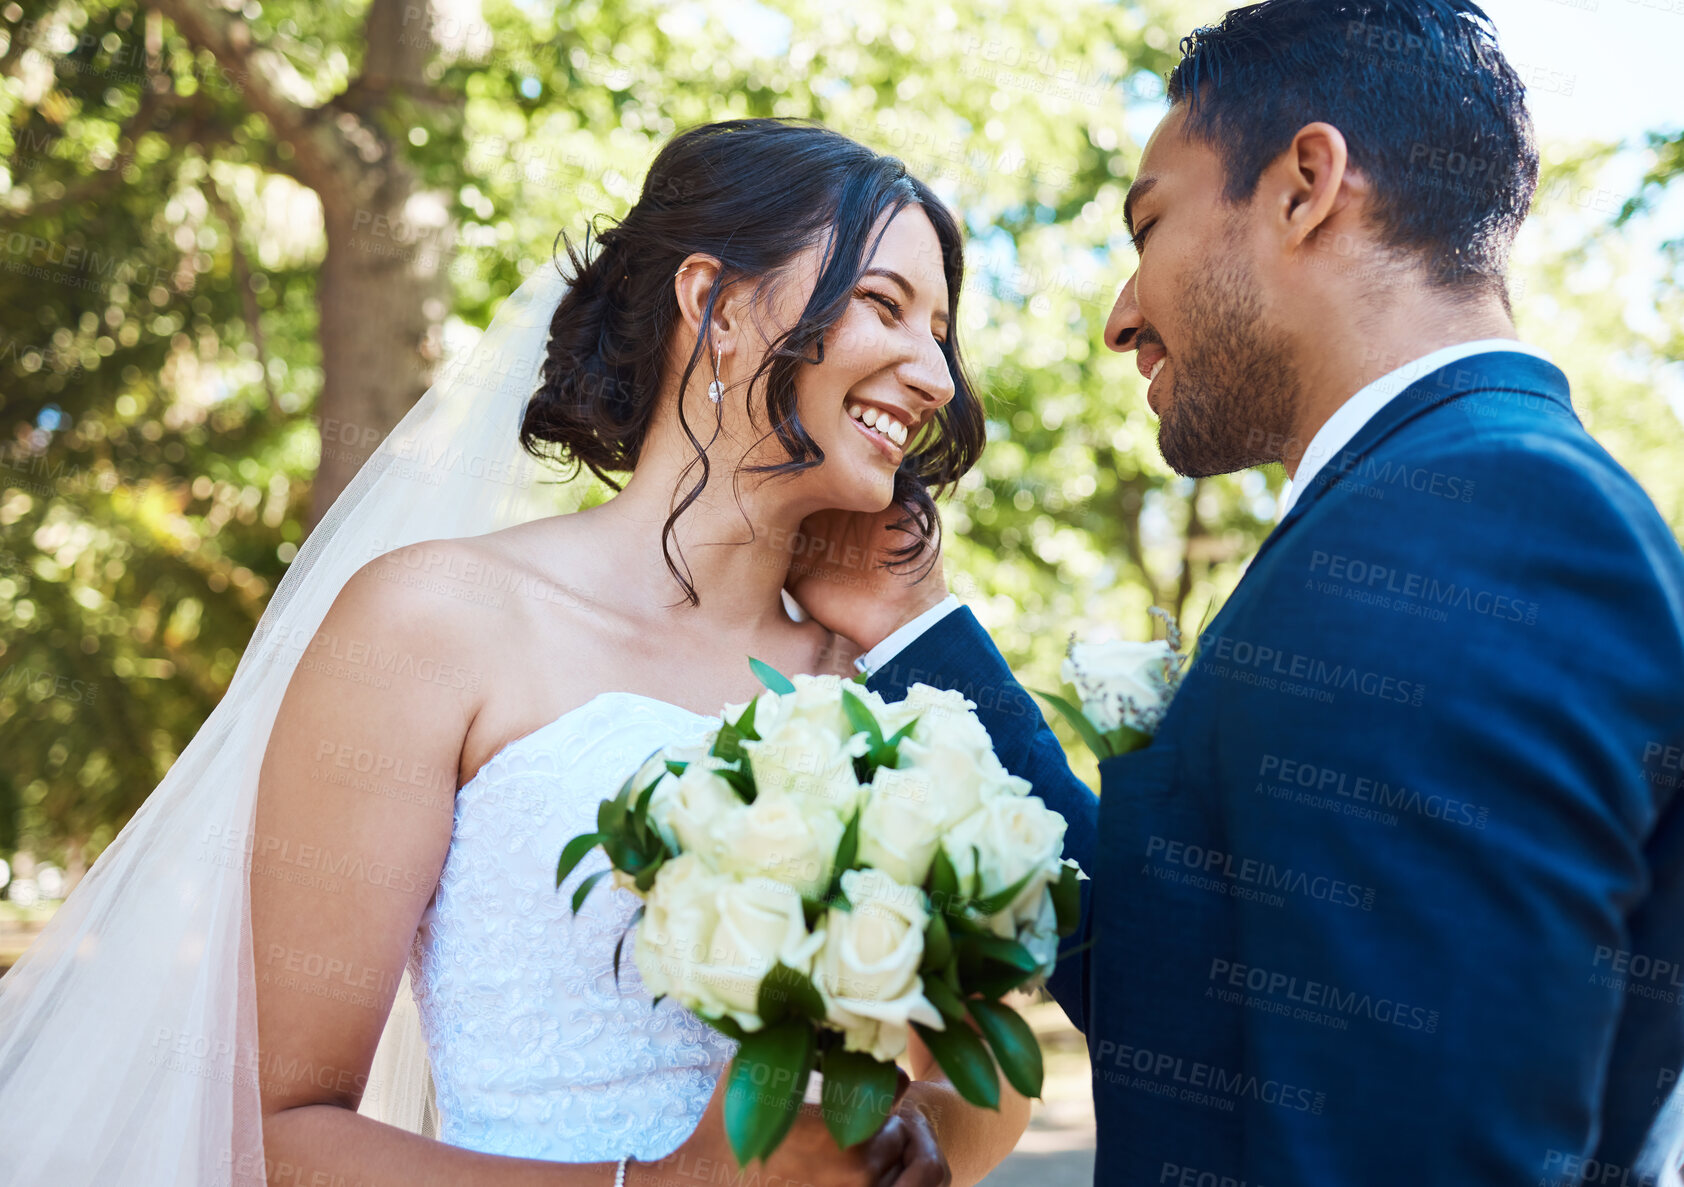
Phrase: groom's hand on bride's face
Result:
[838,573]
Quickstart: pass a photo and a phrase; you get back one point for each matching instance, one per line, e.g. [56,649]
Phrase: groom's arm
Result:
[1473,802]
[955,652]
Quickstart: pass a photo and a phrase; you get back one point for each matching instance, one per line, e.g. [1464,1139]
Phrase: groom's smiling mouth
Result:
[1150,359]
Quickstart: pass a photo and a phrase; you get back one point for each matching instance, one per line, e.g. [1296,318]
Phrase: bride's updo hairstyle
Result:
[752,193]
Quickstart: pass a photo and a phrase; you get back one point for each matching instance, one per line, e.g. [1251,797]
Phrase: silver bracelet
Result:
[620,1171]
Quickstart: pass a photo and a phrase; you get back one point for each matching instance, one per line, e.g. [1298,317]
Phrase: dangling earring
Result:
[716,390]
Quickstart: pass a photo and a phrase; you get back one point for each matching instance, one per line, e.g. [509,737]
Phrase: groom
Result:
[1396,894]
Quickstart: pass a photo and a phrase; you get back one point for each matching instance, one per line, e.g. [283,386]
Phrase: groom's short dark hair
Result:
[1432,113]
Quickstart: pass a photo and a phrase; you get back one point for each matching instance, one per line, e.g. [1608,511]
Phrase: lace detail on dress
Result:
[535,1051]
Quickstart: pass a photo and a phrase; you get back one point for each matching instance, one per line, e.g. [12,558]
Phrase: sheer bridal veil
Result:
[128,1040]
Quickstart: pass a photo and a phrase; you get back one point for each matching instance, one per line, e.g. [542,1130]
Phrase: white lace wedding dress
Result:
[536,1052]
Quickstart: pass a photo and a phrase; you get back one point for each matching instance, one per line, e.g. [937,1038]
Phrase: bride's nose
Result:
[927,374]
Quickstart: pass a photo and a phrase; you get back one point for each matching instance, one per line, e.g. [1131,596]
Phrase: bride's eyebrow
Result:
[906,287]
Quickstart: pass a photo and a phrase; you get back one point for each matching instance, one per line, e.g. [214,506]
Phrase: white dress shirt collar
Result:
[1350,416]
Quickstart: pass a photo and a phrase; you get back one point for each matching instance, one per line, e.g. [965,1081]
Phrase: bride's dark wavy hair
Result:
[752,193]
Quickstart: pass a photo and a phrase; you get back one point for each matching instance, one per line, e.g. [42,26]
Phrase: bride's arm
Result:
[354,812]
[355,802]
[974,1140]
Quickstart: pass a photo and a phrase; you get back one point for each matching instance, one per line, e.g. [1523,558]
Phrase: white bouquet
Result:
[1123,689]
[828,871]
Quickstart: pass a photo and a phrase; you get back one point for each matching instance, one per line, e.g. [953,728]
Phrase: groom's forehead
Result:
[1174,164]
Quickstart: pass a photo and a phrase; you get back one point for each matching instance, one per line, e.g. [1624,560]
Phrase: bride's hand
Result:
[902,1152]
[840,579]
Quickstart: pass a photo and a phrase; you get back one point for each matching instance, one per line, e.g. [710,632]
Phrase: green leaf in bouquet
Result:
[860,718]
[728,743]
[999,949]
[640,812]
[938,944]
[848,848]
[1013,1043]
[611,816]
[1078,722]
[573,853]
[745,724]
[726,1026]
[585,888]
[998,981]
[676,767]
[1000,899]
[785,993]
[645,878]
[860,678]
[1067,901]
[742,782]
[1125,738]
[771,677]
[960,1052]
[890,750]
[621,943]
[858,1094]
[768,1079]
[944,882]
[948,1003]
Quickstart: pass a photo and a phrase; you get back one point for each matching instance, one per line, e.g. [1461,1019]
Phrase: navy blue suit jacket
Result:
[1396,895]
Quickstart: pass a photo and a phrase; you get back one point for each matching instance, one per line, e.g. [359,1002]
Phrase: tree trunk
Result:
[382,292]
[382,295]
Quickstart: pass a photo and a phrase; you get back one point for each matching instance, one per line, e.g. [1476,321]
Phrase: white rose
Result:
[790,840]
[710,941]
[901,824]
[675,934]
[1122,683]
[1005,839]
[962,773]
[810,761]
[686,808]
[817,700]
[867,971]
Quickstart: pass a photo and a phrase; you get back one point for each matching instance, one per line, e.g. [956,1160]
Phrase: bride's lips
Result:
[884,445]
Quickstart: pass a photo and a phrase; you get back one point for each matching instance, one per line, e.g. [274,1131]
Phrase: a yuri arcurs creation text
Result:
[825,873]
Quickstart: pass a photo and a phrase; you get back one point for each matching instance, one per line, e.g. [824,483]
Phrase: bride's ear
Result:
[692,283]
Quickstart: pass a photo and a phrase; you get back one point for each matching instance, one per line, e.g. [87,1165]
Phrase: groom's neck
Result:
[1359,341]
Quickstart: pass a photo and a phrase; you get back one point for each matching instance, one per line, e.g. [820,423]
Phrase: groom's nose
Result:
[1122,327]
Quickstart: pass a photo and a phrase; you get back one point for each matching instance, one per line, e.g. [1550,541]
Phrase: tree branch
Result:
[325,162]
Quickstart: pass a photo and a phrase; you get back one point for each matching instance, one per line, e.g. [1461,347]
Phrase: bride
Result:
[450,679]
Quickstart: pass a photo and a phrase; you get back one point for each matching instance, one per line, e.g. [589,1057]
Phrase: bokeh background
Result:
[238,242]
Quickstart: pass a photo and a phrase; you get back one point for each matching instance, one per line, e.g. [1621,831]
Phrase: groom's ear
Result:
[1310,183]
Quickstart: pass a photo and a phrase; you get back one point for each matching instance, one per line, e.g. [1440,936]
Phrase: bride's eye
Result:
[884,302]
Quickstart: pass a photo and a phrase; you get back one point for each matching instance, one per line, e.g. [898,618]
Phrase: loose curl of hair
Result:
[752,193]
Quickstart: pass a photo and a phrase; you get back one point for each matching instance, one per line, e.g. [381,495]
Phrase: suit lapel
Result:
[1495,372]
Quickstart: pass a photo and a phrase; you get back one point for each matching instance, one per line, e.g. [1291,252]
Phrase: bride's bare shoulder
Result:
[482,583]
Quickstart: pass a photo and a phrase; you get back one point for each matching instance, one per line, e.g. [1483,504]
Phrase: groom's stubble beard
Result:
[1230,401]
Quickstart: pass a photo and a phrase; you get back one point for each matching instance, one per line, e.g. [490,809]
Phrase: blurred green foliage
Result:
[159,364]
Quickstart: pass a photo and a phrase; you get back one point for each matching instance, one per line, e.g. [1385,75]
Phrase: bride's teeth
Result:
[898,432]
[855,411]
[870,417]
[1156,367]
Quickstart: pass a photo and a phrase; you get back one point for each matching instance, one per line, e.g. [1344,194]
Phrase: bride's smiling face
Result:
[884,375]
